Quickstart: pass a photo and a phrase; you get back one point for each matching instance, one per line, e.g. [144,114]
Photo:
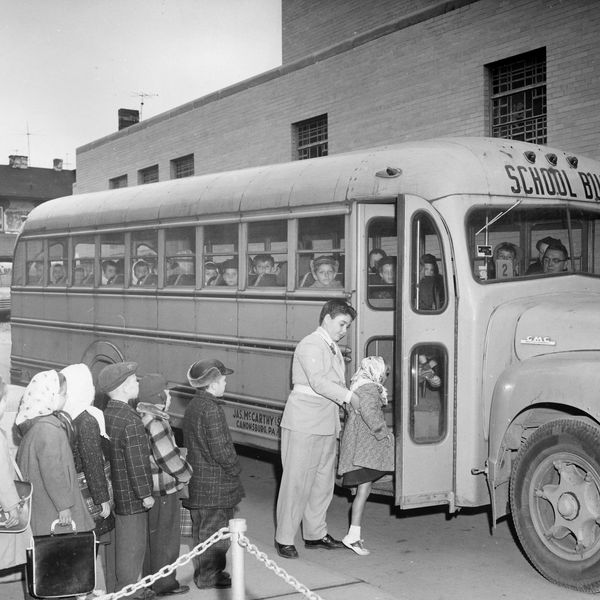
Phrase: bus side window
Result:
[221,255]
[321,253]
[382,267]
[180,256]
[58,262]
[112,259]
[384,347]
[34,262]
[83,261]
[427,266]
[144,256]
[267,254]
[428,394]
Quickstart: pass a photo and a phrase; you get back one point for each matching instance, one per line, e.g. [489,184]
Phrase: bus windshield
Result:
[525,241]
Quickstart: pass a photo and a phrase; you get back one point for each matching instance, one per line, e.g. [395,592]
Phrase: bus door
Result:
[376,258]
[424,381]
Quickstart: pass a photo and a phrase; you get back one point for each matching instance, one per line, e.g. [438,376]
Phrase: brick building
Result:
[357,74]
[22,188]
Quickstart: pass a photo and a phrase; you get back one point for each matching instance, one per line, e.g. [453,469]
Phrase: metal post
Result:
[238,587]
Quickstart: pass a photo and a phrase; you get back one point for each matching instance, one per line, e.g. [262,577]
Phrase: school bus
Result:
[487,311]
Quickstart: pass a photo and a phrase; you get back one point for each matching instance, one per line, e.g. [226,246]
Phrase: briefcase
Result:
[61,565]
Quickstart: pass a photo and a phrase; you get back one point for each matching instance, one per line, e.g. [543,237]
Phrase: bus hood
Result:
[558,323]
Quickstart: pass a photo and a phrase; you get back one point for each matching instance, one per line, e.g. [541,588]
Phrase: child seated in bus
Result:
[506,261]
[59,274]
[109,272]
[263,272]
[375,256]
[322,274]
[142,274]
[367,445]
[211,273]
[229,273]
[431,284]
[384,286]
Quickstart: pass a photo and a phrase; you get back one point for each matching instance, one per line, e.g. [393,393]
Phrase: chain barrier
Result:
[273,566]
[223,533]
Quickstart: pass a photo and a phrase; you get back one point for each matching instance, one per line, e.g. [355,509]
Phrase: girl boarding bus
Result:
[474,266]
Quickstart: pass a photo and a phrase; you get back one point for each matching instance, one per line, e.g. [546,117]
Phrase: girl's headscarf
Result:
[80,394]
[372,370]
[41,397]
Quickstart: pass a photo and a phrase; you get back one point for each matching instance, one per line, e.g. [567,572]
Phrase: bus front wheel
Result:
[555,502]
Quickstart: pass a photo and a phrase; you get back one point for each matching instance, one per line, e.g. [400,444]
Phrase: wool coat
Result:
[12,545]
[89,459]
[366,440]
[215,481]
[129,458]
[46,460]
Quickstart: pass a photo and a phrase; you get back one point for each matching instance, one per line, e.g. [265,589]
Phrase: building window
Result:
[148,175]
[117,182]
[518,97]
[182,167]
[310,138]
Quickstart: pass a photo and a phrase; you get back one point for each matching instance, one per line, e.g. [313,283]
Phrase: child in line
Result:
[367,448]
[215,488]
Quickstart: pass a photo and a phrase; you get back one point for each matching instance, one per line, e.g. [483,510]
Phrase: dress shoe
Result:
[286,550]
[222,582]
[326,542]
[180,589]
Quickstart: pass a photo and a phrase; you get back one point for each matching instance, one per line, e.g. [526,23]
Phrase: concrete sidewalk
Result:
[310,569]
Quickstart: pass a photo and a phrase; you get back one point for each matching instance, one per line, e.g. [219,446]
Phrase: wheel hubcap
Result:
[566,506]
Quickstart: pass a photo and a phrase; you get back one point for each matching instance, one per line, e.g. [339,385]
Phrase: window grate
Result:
[518,98]
[117,182]
[311,138]
[182,167]
[148,175]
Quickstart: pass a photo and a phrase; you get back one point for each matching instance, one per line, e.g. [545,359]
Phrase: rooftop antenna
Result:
[142,96]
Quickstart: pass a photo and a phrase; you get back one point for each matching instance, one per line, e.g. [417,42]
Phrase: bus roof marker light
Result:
[552,159]
[389,172]
[573,161]
[529,155]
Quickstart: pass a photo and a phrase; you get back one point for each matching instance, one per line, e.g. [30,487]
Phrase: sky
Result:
[67,66]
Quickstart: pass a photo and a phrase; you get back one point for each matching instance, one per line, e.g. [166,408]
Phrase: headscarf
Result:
[80,394]
[372,370]
[41,397]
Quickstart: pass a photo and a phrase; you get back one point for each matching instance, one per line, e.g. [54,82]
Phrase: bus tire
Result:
[99,354]
[555,501]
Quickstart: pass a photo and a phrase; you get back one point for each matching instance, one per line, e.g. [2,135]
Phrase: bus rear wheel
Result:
[555,502]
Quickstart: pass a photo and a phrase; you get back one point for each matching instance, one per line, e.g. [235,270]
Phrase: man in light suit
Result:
[309,428]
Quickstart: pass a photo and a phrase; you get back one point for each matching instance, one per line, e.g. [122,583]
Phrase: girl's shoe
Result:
[356,546]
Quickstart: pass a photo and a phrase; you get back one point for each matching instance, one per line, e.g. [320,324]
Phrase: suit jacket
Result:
[315,366]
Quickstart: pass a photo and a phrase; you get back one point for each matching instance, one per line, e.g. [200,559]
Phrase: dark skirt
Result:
[361,475]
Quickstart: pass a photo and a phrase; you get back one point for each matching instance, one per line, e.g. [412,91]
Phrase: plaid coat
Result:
[215,481]
[129,457]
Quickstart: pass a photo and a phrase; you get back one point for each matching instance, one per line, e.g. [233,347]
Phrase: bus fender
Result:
[530,393]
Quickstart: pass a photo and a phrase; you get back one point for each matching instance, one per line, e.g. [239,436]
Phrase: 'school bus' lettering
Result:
[475,271]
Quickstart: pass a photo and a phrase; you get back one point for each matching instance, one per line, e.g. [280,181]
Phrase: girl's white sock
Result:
[354,533]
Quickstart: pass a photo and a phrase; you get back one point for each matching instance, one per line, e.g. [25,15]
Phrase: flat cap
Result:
[112,376]
[202,372]
[152,388]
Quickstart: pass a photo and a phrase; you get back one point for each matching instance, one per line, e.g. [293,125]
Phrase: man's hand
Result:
[13,517]
[355,401]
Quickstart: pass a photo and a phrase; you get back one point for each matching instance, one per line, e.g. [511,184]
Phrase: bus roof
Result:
[432,169]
